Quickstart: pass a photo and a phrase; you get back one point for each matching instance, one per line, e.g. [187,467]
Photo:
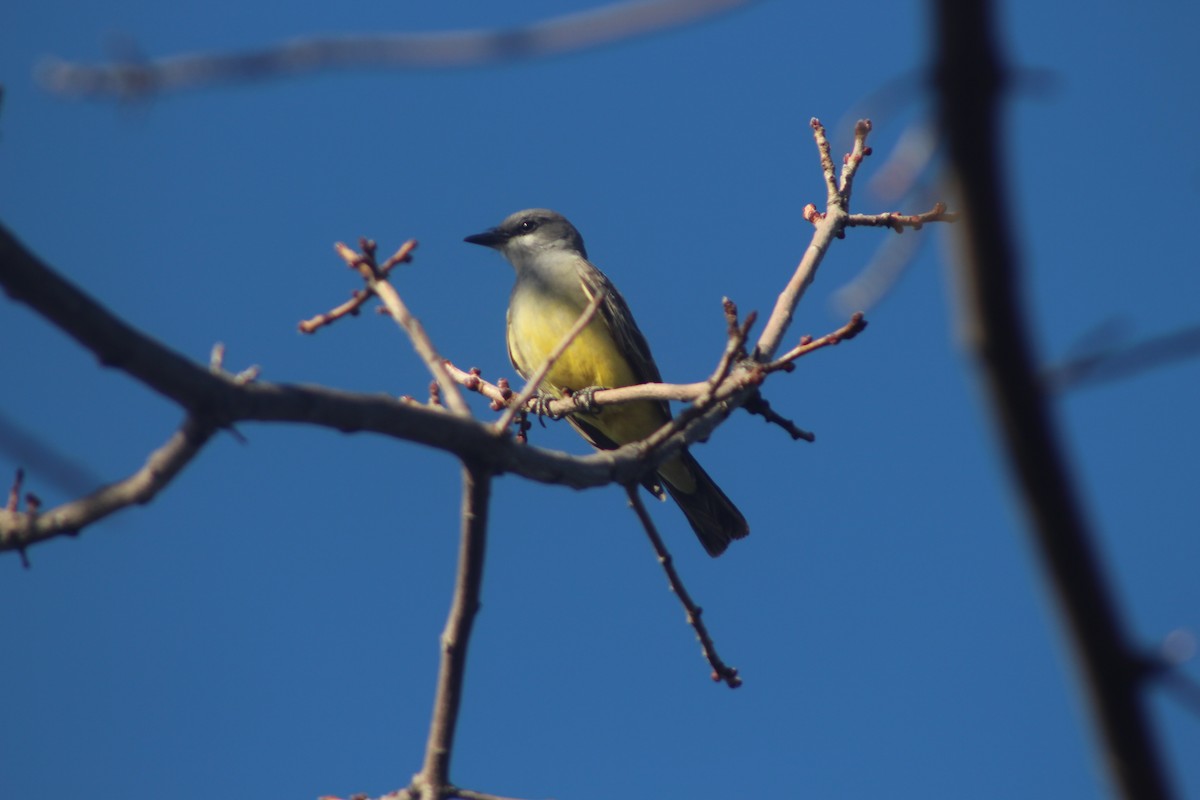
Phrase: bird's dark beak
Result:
[489,238]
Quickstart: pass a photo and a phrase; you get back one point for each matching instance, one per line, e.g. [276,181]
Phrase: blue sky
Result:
[268,626]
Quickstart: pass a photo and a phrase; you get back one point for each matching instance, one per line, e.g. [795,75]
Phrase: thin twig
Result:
[376,281]
[14,492]
[828,170]
[721,670]
[358,297]
[434,778]
[898,222]
[535,381]
[757,404]
[827,227]
[855,326]
[735,349]
[350,308]
[853,160]
[472,380]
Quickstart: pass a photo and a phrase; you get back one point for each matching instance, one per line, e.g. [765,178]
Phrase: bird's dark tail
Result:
[715,519]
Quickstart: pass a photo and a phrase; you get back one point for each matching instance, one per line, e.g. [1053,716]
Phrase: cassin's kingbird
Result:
[555,284]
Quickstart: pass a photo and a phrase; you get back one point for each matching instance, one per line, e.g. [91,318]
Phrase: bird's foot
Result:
[541,406]
[585,399]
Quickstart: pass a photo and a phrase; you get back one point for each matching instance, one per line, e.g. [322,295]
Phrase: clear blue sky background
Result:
[268,626]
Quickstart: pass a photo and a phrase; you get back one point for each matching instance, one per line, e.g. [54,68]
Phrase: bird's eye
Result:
[528,225]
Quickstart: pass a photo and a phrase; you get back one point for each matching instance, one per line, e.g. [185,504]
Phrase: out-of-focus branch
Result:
[971,77]
[114,342]
[40,458]
[879,275]
[452,49]
[1117,362]
[19,530]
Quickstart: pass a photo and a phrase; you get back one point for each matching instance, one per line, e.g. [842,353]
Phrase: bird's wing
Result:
[619,319]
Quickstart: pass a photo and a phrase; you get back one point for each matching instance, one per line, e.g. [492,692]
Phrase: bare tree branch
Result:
[19,530]
[829,225]
[114,342]
[898,222]
[358,297]
[500,393]
[721,670]
[807,345]
[1118,361]
[758,405]
[453,49]
[971,77]
[434,778]
[376,280]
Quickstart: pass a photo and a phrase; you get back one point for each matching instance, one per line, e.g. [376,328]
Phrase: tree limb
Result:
[135,77]
[19,530]
[720,670]
[434,778]
[970,77]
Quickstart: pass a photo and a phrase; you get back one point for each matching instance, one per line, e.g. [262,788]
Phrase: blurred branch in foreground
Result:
[133,77]
[1115,360]
[971,76]
[38,456]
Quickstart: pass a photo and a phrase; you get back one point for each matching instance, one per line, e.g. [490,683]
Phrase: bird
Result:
[555,283]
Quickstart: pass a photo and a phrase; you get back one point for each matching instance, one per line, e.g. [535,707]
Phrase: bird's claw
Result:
[541,406]
[585,399]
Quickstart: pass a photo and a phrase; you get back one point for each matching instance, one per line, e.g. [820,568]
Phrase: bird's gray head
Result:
[530,234]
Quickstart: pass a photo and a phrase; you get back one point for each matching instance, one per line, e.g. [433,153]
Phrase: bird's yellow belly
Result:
[593,359]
